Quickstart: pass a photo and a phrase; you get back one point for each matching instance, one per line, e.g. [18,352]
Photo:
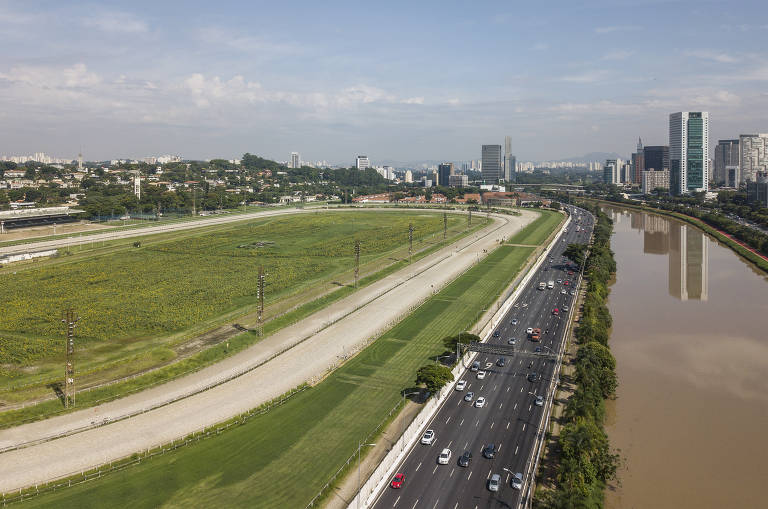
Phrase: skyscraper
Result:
[444,172]
[689,152]
[361,163]
[295,160]
[656,157]
[491,166]
[611,172]
[726,154]
[638,163]
[753,150]
[510,162]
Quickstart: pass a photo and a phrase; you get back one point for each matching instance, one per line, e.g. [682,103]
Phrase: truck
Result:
[536,334]
[542,285]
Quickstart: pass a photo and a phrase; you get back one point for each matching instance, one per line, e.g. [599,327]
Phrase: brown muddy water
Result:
[690,337]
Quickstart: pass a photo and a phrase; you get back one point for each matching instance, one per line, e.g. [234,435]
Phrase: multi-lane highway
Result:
[510,418]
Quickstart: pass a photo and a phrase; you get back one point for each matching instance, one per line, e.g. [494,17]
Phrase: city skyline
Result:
[134,80]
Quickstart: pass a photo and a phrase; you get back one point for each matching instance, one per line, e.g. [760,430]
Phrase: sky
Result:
[397,81]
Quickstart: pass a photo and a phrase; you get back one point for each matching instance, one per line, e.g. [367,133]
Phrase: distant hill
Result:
[595,156]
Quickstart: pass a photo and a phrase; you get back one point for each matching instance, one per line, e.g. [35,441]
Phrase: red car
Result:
[570,273]
[555,311]
[566,283]
[398,481]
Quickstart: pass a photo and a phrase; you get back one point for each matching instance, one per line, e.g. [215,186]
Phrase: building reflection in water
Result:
[687,249]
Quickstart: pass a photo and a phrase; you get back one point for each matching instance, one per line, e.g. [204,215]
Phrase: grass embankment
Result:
[239,342]
[756,260]
[584,459]
[282,459]
[539,230]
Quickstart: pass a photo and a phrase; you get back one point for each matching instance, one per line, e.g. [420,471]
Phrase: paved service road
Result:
[510,418]
[308,349]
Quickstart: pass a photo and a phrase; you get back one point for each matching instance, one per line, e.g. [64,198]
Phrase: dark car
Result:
[490,451]
[398,481]
[534,377]
[465,459]
[501,362]
[537,349]
[496,334]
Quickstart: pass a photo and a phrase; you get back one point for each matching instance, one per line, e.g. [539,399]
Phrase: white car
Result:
[480,375]
[564,291]
[428,438]
[529,330]
[573,292]
[461,385]
[493,482]
[445,457]
[480,403]
[539,401]
[488,365]
[517,481]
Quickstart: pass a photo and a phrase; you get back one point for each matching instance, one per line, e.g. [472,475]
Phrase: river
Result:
[690,337]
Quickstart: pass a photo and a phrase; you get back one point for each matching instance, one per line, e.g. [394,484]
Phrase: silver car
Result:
[517,481]
[493,482]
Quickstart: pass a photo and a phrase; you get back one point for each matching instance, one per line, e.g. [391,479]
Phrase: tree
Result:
[461,337]
[575,253]
[433,376]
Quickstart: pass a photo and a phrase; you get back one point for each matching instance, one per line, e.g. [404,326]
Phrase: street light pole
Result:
[359,487]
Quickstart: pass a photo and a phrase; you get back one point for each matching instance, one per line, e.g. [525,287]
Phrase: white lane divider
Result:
[492,425]
[417,468]
[435,470]
[396,501]
[516,449]
[462,422]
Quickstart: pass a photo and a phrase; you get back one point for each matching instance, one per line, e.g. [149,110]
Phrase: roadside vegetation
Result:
[586,461]
[284,458]
[138,304]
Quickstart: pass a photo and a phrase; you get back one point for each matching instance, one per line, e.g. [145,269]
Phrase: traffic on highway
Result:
[479,449]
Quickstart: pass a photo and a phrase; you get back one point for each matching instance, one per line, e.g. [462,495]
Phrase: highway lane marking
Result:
[414,504]
[417,468]
[470,475]
[449,444]
[523,426]
[466,445]
[435,470]
[507,424]
[507,481]
[521,389]
[492,425]
[489,475]
[451,474]
[516,448]
[530,407]
[448,419]
[507,389]
[494,387]
[515,407]
[499,449]
[462,422]
[477,423]
[436,501]
[396,501]
[481,388]
[501,405]
[457,505]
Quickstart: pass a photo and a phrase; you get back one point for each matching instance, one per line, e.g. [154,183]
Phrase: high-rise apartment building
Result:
[491,165]
[753,156]
[652,179]
[444,172]
[362,162]
[295,160]
[726,154]
[408,176]
[611,172]
[689,152]
[458,181]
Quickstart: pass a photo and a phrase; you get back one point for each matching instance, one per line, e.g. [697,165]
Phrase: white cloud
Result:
[617,55]
[721,57]
[246,43]
[76,76]
[540,46]
[413,100]
[116,22]
[616,28]
[587,77]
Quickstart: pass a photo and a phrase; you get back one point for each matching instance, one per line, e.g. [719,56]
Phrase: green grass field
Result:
[129,298]
[539,230]
[283,458]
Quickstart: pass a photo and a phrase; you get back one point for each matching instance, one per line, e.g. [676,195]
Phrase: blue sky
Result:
[401,81]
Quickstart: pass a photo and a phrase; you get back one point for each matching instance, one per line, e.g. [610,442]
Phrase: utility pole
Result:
[69,318]
[410,242]
[469,219]
[445,225]
[260,292]
[357,261]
